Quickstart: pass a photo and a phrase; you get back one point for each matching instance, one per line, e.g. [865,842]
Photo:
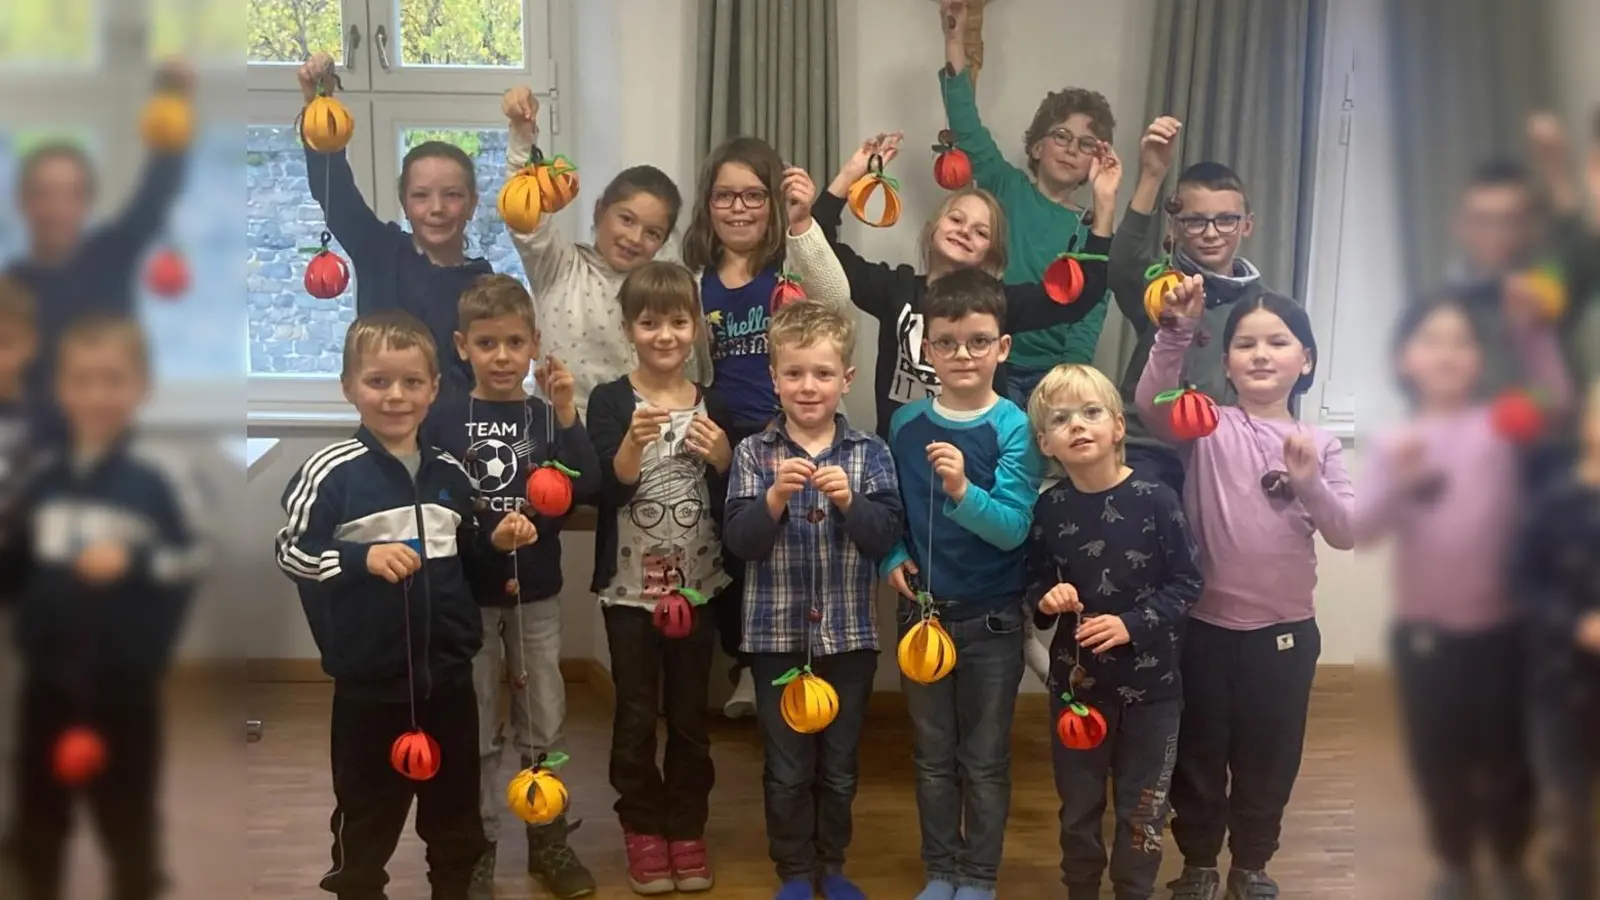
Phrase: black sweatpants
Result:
[1245,695]
[1462,697]
[121,799]
[372,800]
[1566,753]
[650,672]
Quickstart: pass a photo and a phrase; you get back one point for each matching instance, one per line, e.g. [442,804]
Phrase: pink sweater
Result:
[1258,554]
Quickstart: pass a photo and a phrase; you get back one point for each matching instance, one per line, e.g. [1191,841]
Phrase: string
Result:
[516,574]
[927,557]
[411,677]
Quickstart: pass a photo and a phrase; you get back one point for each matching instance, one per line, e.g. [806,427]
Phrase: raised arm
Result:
[875,287]
[807,247]
[989,166]
[120,242]
[333,185]
[1134,247]
[1324,488]
[1030,308]
[545,251]
[1163,370]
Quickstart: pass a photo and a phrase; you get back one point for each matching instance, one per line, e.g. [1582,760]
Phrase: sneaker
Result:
[838,887]
[1455,885]
[1196,884]
[482,885]
[649,864]
[690,869]
[1251,884]
[553,860]
[743,701]
[795,889]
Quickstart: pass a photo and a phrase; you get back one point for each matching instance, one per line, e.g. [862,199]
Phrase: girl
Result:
[1257,490]
[1448,487]
[968,231]
[736,242]
[423,272]
[664,462]
[576,284]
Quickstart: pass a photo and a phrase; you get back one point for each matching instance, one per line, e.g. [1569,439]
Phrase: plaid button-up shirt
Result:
[809,574]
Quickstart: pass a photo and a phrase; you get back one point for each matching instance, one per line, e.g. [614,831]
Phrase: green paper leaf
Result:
[890,181]
[1079,709]
[1155,271]
[564,163]
[1169,396]
[694,597]
[785,678]
[1066,698]
[311,250]
[1088,257]
[556,464]
[553,761]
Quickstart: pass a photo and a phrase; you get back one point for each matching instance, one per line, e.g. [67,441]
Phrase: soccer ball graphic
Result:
[494,467]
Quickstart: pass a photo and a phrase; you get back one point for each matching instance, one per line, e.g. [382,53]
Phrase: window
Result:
[411,71]
[49,33]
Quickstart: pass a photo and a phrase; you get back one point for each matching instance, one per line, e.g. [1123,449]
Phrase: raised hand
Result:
[953,18]
[558,385]
[1188,299]
[1300,457]
[885,146]
[1157,146]
[1105,175]
[799,193]
[316,70]
[1547,141]
[520,106]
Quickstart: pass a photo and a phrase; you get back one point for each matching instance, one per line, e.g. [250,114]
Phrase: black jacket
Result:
[76,633]
[894,295]
[350,496]
[611,408]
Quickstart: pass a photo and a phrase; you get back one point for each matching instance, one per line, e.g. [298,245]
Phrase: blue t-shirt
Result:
[738,320]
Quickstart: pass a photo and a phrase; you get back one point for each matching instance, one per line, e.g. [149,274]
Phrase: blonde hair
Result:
[803,323]
[493,296]
[387,330]
[101,329]
[661,288]
[1076,380]
[994,262]
[17,306]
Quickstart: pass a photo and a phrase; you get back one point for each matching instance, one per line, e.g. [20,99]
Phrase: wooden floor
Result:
[285,802]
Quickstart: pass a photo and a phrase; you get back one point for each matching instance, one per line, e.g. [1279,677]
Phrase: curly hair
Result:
[1058,106]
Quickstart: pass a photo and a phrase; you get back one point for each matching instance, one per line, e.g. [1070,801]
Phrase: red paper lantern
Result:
[787,291]
[415,755]
[952,168]
[167,275]
[1194,415]
[1080,726]
[327,275]
[80,755]
[674,612]
[1517,417]
[1063,280]
[550,490]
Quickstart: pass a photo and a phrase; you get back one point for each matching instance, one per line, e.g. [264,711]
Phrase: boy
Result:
[812,504]
[1114,550]
[1558,574]
[969,475]
[664,460]
[115,552]
[503,435]
[382,542]
[1067,143]
[1211,219]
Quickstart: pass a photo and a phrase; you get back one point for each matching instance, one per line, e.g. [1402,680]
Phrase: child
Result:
[1257,490]
[73,270]
[1116,551]
[18,346]
[422,271]
[968,231]
[812,505]
[1555,569]
[664,459]
[383,542]
[1067,142]
[115,553]
[1212,220]
[577,283]
[503,435]
[1449,488]
[736,241]
[969,475]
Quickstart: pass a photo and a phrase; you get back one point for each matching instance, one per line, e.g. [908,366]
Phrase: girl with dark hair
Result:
[1448,488]
[1257,490]
[422,272]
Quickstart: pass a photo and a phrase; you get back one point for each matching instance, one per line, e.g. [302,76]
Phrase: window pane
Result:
[291,332]
[197,29]
[470,33]
[289,31]
[48,31]
[486,233]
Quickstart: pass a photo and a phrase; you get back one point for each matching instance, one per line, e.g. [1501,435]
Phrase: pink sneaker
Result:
[649,871]
[690,869]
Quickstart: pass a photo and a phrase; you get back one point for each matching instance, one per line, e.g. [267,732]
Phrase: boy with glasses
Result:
[1209,217]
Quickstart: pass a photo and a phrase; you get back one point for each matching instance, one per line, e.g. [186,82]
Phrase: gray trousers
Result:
[517,641]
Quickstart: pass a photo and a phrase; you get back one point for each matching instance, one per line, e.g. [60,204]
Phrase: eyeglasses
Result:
[1061,417]
[647,514]
[1194,226]
[755,198]
[977,347]
[1087,145]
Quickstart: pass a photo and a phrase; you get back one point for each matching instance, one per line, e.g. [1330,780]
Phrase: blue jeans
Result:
[963,746]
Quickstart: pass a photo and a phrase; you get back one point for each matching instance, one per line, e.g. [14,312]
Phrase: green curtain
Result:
[1244,78]
[770,69]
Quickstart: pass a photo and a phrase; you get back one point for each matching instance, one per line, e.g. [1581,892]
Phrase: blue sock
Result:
[795,889]
[838,887]
[974,893]
[938,890]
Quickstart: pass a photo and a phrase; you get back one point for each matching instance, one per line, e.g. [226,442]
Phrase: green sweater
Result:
[1040,228]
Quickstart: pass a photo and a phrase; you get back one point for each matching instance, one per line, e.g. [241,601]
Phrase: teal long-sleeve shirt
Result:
[980,562]
[1040,229]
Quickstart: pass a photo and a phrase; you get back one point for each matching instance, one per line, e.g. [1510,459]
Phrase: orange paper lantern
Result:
[861,191]
[1080,726]
[167,275]
[952,168]
[1194,415]
[80,755]
[415,755]
[550,489]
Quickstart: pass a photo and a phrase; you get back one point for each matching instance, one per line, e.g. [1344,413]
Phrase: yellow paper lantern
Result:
[927,653]
[536,795]
[168,122]
[326,125]
[809,704]
[1160,279]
